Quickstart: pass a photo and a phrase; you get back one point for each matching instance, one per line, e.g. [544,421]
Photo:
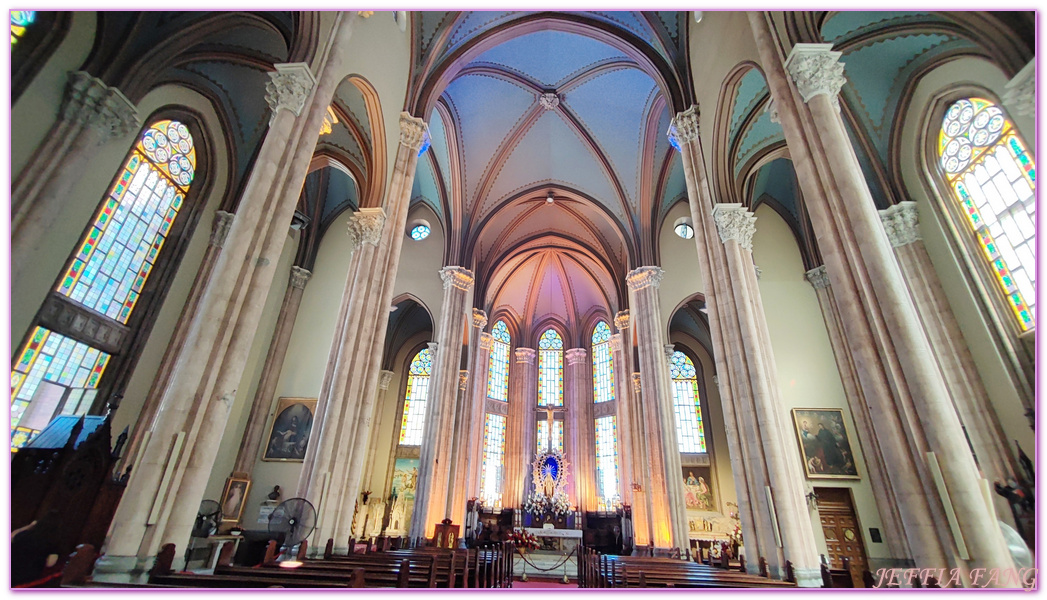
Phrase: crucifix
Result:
[549,409]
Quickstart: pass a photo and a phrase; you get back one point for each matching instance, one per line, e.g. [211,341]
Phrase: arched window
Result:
[414,400]
[603,367]
[993,178]
[689,427]
[550,387]
[20,20]
[56,374]
[607,461]
[498,371]
[494,452]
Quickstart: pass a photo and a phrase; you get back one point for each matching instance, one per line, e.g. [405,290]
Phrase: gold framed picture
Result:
[234,498]
[289,432]
[824,444]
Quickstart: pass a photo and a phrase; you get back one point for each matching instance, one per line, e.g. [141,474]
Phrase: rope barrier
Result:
[557,566]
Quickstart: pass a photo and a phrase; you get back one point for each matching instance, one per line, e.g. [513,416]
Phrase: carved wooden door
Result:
[843,534]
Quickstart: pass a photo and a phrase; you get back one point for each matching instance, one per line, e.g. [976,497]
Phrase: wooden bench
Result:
[596,570]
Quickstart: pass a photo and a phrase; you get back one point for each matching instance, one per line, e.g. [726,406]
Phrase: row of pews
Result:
[597,570]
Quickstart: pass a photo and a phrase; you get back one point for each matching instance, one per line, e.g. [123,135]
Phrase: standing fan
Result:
[208,517]
[295,518]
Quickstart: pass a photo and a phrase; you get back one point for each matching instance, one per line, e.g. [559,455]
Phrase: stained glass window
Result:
[114,259]
[607,461]
[54,375]
[419,232]
[498,369]
[414,401]
[550,369]
[603,366]
[993,177]
[542,436]
[689,428]
[494,451]
[20,20]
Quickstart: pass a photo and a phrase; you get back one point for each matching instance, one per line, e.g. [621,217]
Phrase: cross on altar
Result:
[549,409]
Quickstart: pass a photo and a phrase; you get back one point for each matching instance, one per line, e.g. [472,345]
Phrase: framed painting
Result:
[697,485]
[289,433]
[825,446]
[234,498]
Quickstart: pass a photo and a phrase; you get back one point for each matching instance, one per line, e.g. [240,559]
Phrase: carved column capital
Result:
[576,356]
[486,341]
[772,110]
[1020,93]
[735,222]
[525,355]
[816,69]
[684,127]
[669,350]
[479,318]
[299,277]
[636,383]
[433,347]
[549,100]
[289,87]
[463,380]
[90,102]
[457,277]
[818,277]
[616,342]
[384,377]
[643,277]
[414,133]
[902,223]
[621,320]
[220,227]
[365,227]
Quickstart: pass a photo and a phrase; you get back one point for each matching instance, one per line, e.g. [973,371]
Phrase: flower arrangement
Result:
[736,534]
[523,540]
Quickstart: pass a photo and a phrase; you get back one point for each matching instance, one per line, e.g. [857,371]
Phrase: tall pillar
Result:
[273,366]
[384,378]
[630,432]
[977,416]
[330,477]
[164,493]
[469,431]
[520,430]
[477,411]
[92,115]
[667,508]
[579,429]
[434,463]
[642,488]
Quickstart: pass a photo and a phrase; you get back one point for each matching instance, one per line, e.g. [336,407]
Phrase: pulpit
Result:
[446,535]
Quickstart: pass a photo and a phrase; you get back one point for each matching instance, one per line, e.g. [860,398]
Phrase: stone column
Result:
[579,430]
[460,434]
[969,397]
[667,507]
[434,463]
[384,377]
[630,432]
[274,364]
[476,412]
[92,114]
[330,477]
[520,430]
[644,519]
[818,76]
[163,495]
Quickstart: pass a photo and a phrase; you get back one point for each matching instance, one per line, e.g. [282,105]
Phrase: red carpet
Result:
[533,583]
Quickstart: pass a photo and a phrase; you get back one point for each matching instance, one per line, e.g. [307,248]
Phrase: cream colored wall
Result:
[969,312]
[807,374]
[679,257]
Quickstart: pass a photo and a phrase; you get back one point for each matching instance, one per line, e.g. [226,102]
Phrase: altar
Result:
[556,540]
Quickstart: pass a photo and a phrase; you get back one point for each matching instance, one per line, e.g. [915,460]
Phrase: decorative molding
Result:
[414,133]
[669,349]
[735,222]
[299,277]
[463,380]
[636,383]
[902,223]
[616,342]
[684,128]
[91,103]
[605,409]
[716,382]
[220,227]
[818,277]
[621,320]
[576,356]
[549,100]
[365,227]
[816,69]
[486,341]
[496,407]
[1020,92]
[525,355]
[60,314]
[759,271]
[643,277]
[772,109]
[433,347]
[288,88]
[384,377]
[479,318]
[457,277]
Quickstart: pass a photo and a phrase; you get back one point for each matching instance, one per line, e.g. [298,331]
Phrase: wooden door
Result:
[843,534]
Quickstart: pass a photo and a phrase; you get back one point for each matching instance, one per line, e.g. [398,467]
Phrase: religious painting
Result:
[405,482]
[697,486]
[234,498]
[289,434]
[824,444]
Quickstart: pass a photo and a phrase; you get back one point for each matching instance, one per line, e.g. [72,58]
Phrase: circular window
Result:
[683,228]
[419,232]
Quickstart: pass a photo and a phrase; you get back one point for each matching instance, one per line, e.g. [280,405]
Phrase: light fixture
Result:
[290,564]
[684,228]
[697,16]
[549,197]
[299,221]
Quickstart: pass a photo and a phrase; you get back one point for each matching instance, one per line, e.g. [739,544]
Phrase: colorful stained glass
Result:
[115,257]
[20,20]
[690,430]
[607,461]
[993,179]
[413,419]
[542,436]
[494,452]
[550,369]
[603,365]
[498,367]
[419,232]
[56,359]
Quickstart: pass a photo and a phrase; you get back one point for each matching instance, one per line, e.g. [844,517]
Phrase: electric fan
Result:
[208,517]
[295,518]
